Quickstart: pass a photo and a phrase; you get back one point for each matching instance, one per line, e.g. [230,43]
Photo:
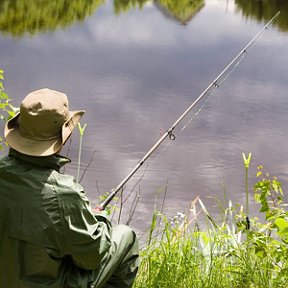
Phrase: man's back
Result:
[49,236]
[35,216]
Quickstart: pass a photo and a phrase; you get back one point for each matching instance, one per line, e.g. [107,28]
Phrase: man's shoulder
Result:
[65,183]
[4,160]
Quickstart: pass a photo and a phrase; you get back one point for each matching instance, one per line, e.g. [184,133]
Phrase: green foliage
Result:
[183,254]
[268,192]
[110,208]
[6,109]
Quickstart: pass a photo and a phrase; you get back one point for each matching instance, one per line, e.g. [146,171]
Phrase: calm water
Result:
[136,68]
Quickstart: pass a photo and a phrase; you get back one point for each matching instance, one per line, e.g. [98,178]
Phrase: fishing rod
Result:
[169,132]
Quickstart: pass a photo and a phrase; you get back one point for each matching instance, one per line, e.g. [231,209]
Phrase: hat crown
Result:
[42,114]
[43,125]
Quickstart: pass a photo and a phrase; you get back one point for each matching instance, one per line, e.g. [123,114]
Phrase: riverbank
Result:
[239,252]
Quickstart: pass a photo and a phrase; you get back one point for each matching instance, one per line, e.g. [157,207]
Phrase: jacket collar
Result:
[54,161]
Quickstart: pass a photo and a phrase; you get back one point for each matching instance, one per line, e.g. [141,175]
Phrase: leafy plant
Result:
[189,253]
[6,109]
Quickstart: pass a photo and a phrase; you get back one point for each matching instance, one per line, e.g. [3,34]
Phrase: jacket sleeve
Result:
[87,236]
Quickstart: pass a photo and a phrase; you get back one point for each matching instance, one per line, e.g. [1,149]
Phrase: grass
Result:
[192,250]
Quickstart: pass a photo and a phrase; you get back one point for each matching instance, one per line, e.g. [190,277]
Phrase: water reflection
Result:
[18,17]
[126,5]
[264,10]
[182,11]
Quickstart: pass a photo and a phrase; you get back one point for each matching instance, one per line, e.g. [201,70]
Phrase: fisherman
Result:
[49,234]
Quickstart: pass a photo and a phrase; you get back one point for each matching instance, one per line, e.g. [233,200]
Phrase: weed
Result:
[6,109]
[179,253]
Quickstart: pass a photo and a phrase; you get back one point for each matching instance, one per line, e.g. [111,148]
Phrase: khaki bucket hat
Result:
[43,124]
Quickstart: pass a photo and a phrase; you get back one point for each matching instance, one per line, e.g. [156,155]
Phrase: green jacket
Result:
[49,236]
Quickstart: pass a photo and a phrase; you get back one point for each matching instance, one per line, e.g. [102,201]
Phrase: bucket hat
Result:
[43,124]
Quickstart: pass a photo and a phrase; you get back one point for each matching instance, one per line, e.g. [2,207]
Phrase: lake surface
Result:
[135,67]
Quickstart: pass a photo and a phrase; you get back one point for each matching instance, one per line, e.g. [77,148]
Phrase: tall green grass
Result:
[197,251]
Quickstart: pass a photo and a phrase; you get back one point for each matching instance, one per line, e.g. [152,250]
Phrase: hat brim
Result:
[70,124]
[40,148]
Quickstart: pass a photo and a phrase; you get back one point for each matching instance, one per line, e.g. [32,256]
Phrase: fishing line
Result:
[169,133]
[165,147]
[265,50]
[213,91]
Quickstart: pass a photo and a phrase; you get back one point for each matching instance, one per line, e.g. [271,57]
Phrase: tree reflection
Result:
[182,10]
[265,10]
[18,17]
[126,5]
